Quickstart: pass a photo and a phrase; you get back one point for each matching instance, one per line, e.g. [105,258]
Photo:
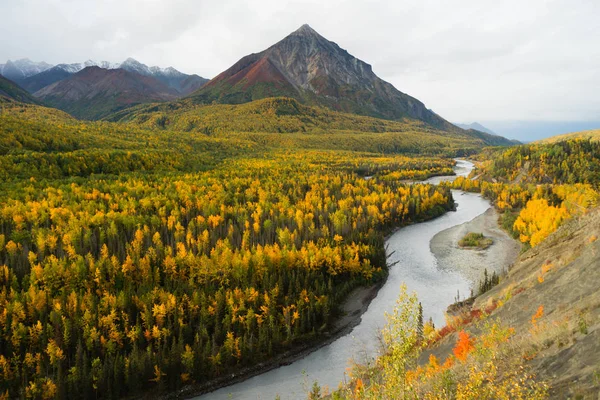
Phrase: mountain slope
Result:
[266,120]
[310,68]
[568,295]
[45,78]
[593,135]
[95,92]
[10,92]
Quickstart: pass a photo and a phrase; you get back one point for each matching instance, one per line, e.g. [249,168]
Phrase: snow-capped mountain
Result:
[182,83]
[101,64]
[131,65]
[21,69]
[76,67]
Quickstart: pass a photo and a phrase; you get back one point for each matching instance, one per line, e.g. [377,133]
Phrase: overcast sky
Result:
[471,60]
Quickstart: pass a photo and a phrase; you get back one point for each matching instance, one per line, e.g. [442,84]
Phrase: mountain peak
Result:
[307,66]
[20,69]
[305,30]
[132,61]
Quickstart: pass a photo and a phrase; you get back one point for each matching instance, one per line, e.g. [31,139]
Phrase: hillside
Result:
[95,92]
[537,332]
[316,71]
[45,143]
[564,159]
[11,92]
[286,115]
[593,135]
[561,276]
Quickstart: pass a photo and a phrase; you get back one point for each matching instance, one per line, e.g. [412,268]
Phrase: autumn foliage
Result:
[135,260]
[544,184]
[463,347]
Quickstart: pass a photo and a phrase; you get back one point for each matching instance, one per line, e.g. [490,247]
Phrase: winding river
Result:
[414,264]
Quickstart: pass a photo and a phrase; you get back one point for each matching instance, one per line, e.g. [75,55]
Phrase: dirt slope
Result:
[559,280]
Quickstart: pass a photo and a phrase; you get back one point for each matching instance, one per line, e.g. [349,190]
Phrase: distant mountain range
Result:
[316,71]
[95,92]
[477,126]
[34,76]
[18,70]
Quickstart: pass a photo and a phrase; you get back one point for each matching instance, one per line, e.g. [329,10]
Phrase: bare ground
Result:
[471,263]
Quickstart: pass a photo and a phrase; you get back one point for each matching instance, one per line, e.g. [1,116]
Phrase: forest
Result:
[538,186]
[137,259]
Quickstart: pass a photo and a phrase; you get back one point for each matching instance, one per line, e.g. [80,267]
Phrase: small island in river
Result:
[473,240]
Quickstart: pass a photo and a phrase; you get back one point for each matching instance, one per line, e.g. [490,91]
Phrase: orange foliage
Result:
[358,389]
[464,346]
[539,314]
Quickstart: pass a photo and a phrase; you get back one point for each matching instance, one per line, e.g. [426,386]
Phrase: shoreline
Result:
[471,263]
[354,306]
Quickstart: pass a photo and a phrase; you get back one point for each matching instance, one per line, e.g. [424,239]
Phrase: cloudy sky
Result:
[468,60]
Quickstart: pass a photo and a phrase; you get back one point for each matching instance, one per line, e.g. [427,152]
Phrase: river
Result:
[412,263]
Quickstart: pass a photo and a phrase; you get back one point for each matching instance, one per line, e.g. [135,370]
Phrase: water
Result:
[416,266]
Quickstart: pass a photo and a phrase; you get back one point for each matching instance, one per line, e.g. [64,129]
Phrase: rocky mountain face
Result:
[10,92]
[36,79]
[18,70]
[95,92]
[308,67]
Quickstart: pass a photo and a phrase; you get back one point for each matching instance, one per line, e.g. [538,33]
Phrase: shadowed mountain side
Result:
[11,92]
